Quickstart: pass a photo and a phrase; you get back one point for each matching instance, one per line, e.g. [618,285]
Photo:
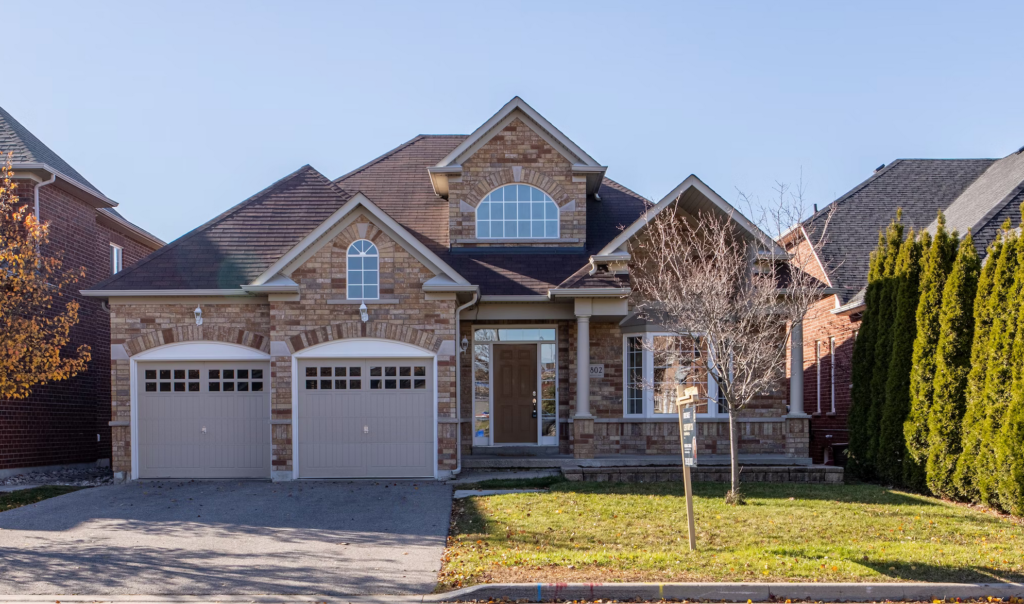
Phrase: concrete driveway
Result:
[229,537]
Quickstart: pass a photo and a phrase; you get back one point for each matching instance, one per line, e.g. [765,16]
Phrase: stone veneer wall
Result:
[517,154]
[311,320]
[145,325]
[614,434]
[323,313]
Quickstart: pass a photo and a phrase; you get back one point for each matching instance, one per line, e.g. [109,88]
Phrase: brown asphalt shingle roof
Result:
[237,246]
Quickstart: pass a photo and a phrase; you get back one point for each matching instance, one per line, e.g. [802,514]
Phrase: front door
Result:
[515,393]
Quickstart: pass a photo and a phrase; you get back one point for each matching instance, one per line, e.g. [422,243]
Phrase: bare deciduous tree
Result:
[733,290]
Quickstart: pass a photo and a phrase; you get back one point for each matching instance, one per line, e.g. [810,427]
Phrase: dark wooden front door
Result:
[515,393]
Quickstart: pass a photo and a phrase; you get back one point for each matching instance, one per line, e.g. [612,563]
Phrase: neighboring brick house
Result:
[66,422]
[455,298]
[976,195]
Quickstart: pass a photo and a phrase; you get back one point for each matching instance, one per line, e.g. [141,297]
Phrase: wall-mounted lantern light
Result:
[198,312]
[365,316]
[464,345]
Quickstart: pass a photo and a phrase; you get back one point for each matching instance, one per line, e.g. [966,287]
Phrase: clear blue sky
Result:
[180,110]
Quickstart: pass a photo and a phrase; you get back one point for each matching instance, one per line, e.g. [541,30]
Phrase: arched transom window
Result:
[517,212]
[363,274]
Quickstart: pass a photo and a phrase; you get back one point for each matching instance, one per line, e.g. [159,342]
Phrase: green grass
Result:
[541,482]
[16,499]
[787,532]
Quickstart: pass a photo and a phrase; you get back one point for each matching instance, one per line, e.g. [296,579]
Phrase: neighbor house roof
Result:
[26,148]
[980,208]
[30,157]
[920,187]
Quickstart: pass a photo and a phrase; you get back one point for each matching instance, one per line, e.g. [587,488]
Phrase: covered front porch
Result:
[547,385]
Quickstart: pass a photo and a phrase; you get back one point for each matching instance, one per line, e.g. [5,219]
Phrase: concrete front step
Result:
[805,474]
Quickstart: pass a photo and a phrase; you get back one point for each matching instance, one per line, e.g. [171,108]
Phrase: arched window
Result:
[517,212]
[363,271]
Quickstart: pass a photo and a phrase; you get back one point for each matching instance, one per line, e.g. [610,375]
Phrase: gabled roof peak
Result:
[516,108]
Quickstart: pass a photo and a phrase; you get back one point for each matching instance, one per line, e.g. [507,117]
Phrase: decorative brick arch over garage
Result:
[197,333]
[372,329]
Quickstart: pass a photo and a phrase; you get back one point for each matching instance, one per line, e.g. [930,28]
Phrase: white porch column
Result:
[583,366]
[796,371]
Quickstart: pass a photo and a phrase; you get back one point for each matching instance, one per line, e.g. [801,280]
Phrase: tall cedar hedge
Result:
[999,373]
[966,465]
[863,365]
[892,448]
[883,340]
[938,367]
[952,365]
[936,264]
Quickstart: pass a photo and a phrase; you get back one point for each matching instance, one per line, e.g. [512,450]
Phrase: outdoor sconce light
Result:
[198,312]
[464,345]
[365,316]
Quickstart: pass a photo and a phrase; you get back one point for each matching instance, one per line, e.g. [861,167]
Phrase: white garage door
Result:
[204,419]
[366,419]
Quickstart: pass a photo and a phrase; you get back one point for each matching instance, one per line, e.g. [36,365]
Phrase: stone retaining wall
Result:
[811,474]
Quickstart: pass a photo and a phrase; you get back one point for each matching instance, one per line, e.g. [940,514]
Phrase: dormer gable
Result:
[517,181]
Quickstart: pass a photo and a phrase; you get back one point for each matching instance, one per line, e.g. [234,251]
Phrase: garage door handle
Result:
[366,429]
[204,430]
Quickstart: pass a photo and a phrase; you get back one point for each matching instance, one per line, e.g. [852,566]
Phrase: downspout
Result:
[458,382]
[35,193]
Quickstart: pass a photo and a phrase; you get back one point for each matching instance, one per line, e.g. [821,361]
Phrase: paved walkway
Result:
[220,537]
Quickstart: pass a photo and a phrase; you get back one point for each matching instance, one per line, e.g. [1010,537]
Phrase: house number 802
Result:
[596,371]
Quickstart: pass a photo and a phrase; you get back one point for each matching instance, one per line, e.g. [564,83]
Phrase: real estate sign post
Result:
[687,442]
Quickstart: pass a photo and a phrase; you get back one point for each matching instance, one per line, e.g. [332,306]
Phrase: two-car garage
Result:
[203,410]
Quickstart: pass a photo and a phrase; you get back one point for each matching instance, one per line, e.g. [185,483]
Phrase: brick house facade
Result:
[66,422]
[369,326]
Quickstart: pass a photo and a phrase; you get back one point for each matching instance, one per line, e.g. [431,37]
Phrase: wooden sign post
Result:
[687,441]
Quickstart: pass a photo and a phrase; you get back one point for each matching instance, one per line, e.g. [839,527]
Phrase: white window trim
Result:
[376,254]
[116,258]
[541,439]
[558,214]
[648,378]
[832,370]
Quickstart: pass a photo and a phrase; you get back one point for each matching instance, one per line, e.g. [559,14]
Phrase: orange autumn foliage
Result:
[32,284]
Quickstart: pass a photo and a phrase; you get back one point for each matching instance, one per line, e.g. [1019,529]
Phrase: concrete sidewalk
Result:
[732,592]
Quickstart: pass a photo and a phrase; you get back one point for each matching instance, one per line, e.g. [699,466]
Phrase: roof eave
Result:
[160,293]
[145,237]
[439,178]
[35,170]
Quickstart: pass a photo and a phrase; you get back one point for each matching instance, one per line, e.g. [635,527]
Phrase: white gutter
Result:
[458,382]
[593,292]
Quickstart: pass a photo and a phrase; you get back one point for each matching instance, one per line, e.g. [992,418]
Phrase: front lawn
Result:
[16,499]
[584,532]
